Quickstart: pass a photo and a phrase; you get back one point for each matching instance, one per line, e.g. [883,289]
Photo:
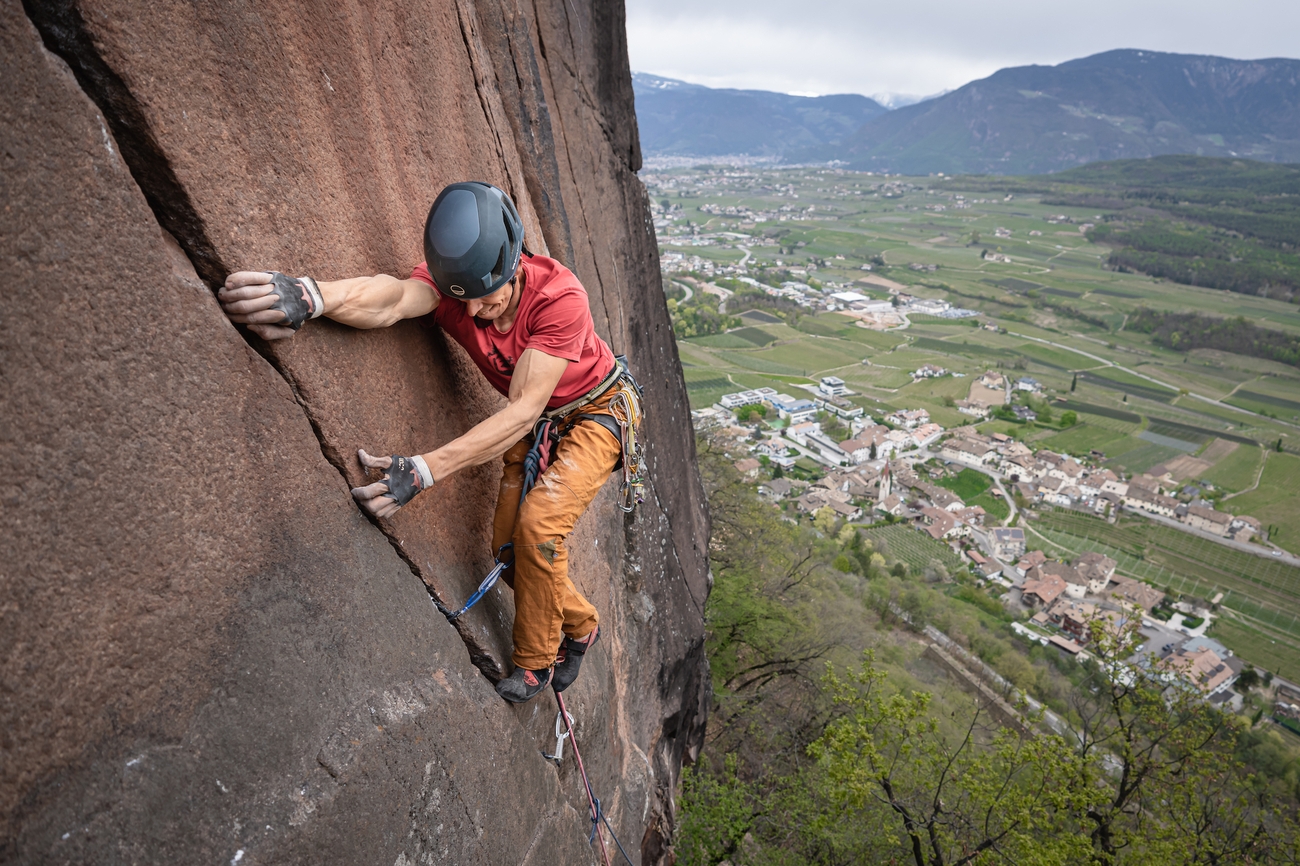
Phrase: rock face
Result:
[207,653]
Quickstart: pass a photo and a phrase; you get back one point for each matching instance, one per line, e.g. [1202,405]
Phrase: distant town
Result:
[890,470]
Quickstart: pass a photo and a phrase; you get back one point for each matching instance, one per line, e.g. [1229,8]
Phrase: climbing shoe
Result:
[523,685]
[569,659]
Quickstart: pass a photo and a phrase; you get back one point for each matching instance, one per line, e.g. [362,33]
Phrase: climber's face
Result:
[495,305]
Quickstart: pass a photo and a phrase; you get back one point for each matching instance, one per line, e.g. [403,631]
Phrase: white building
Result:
[832,386]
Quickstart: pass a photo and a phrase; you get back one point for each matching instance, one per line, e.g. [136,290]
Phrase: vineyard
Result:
[916,549]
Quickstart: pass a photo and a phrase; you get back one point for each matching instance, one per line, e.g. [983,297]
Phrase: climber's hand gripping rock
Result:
[273,305]
[404,477]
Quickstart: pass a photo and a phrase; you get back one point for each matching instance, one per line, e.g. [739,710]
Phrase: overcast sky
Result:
[922,48]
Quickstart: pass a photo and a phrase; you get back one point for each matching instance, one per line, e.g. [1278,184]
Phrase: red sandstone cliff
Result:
[205,648]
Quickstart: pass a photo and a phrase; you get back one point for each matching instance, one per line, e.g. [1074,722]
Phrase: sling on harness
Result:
[625,425]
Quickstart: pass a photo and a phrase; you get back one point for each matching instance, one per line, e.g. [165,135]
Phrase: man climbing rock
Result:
[525,321]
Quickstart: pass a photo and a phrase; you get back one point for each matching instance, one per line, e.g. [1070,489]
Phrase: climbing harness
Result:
[624,423]
[597,814]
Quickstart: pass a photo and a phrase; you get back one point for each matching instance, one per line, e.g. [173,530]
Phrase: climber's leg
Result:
[547,605]
[512,481]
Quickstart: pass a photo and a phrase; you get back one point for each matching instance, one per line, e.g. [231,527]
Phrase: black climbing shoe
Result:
[569,659]
[523,685]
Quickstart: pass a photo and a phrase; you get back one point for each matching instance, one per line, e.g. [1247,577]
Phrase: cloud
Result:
[837,46]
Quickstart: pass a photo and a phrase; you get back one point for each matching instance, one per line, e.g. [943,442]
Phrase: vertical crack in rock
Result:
[63,31]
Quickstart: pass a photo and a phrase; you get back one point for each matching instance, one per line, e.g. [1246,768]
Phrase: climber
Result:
[524,319]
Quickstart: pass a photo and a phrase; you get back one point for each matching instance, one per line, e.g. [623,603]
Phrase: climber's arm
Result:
[274,306]
[531,386]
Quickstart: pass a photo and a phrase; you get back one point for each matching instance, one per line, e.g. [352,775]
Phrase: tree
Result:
[873,450]
[1247,679]
[1074,382]
[1069,418]
[824,520]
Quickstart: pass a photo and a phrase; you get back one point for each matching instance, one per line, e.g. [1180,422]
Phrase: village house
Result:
[858,450]
[993,380]
[748,467]
[1025,383]
[1068,470]
[1075,586]
[926,434]
[1028,562]
[1203,667]
[971,516]
[967,451]
[972,408]
[902,439]
[1040,590]
[908,418]
[799,432]
[940,524]
[1154,503]
[1208,520]
[1115,486]
[776,489]
[1244,527]
[1134,592]
[1008,543]
[929,371]
[1095,570]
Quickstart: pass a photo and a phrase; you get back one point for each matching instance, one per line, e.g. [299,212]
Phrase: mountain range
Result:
[681,119]
[1022,120]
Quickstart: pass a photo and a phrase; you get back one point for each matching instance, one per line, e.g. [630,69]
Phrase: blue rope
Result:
[595,820]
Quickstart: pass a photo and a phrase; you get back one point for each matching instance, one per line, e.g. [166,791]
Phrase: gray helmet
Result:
[472,240]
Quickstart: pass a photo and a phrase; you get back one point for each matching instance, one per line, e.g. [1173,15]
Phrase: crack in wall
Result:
[63,32]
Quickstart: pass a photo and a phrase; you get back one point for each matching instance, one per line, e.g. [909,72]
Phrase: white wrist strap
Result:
[426,477]
[318,300]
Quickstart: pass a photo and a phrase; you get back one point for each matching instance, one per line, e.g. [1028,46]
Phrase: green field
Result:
[1276,502]
[1237,471]
[967,484]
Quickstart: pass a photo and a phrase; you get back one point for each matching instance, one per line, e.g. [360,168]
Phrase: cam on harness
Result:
[623,422]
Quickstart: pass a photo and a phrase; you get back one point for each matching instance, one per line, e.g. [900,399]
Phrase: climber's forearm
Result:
[378,301]
[486,440]
[532,383]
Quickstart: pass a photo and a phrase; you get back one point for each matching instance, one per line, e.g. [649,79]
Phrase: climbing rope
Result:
[597,814]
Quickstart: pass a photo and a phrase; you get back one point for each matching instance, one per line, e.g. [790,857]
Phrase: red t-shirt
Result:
[553,317]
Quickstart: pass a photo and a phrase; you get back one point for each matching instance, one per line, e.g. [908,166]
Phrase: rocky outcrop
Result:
[207,652]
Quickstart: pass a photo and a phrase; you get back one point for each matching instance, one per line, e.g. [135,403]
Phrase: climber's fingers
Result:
[375,498]
[371,462]
[247,284]
[248,298]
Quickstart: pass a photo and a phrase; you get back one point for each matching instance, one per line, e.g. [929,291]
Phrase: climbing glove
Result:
[299,298]
[405,477]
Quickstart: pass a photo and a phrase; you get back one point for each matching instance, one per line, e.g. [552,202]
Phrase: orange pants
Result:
[547,605]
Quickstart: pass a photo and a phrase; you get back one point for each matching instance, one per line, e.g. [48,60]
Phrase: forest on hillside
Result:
[1183,332]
